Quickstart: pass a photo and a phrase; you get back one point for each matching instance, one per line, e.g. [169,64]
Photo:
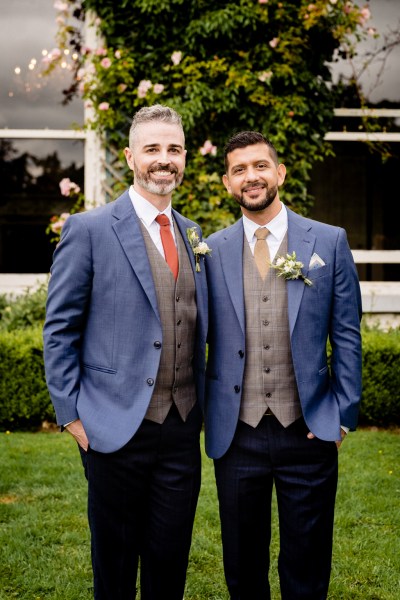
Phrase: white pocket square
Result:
[316,262]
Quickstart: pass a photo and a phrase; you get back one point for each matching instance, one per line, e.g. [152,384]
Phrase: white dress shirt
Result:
[277,229]
[147,213]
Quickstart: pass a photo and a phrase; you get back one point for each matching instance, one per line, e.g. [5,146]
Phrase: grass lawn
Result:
[44,539]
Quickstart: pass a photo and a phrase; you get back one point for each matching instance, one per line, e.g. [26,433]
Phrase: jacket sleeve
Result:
[344,334]
[68,298]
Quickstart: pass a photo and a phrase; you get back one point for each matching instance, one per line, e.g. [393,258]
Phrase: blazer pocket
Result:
[314,274]
[101,369]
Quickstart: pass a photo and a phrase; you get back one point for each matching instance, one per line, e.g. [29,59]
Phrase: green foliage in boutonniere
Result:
[199,248]
[290,268]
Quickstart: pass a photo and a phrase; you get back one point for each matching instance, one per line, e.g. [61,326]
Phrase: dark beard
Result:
[270,195]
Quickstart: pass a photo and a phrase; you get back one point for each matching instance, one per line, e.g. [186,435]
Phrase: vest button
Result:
[157,344]
[265,322]
[150,381]
[266,347]
[267,369]
[237,388]
[178,298]
[179,321]
[179,345]
[265,299]
[268,394]
[241,353]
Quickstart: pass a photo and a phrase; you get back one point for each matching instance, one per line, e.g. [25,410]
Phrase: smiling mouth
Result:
[163,172]
[255,187]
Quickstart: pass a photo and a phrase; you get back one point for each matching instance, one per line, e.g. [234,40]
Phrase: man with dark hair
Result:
[125,355]
[279,286]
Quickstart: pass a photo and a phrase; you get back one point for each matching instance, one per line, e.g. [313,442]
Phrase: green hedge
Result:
[381,378]
[24,399]
[25,403]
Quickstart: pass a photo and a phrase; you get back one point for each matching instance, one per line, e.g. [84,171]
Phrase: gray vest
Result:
[269,380]
[178,313]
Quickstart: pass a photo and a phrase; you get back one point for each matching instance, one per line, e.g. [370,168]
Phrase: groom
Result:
[276,410]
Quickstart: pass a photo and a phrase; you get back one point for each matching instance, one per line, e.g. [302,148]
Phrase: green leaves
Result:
[224,66]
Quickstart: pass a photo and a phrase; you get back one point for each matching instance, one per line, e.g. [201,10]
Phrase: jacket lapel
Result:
[128,230]
[302,241]
[231,254]
[199,278]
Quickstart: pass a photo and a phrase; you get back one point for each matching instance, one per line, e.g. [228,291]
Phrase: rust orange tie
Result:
[170,251]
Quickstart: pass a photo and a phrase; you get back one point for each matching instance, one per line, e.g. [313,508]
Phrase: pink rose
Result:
[104,106]
[158,88]
[117,54]
[176,57]
[264,76]
[67,187]
[57,225]
[101,52]
[208,148]
[105,63]
[144,87]
[274,42]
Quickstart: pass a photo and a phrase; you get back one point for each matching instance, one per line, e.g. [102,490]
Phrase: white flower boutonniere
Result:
[290,268]
[200,249]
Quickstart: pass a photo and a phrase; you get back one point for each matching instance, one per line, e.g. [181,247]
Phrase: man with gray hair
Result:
[125,355]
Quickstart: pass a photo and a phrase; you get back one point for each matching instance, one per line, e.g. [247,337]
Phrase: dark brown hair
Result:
[248,138]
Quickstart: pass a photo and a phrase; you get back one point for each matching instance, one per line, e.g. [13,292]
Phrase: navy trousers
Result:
[305,476]
[141,506]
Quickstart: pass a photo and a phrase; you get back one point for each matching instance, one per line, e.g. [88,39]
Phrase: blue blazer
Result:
[330,308]
[103,328]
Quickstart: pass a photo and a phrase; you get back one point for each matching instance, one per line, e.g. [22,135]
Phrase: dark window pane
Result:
[30,172]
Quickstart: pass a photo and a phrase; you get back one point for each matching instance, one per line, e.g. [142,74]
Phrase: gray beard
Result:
[159,188]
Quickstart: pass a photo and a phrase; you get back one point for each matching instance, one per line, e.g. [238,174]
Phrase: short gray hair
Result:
[157,112]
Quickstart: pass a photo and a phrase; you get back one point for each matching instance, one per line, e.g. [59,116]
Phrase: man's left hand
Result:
[338,443]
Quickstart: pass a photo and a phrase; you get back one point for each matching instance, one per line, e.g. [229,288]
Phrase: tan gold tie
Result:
[261,251]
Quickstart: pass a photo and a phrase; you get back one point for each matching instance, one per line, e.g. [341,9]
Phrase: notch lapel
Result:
[231,255]
[127,229]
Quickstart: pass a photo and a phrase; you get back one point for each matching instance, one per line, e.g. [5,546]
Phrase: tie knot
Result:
[261,233]
[162,220]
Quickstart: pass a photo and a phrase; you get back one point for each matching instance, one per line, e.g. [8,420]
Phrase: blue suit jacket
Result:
[102,324]
[331,307]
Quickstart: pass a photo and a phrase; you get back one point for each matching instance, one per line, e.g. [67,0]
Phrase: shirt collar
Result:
[145,210]
[277,226]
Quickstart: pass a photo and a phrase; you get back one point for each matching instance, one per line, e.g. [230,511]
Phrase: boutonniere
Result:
[199,248]
[290,268]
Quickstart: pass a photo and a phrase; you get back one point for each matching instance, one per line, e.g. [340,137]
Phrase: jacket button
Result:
[178,298]
[265,322]
[267,369]
[268,394]
[241,353]
[179,321]
[237,388]
[150,381]
[157,344]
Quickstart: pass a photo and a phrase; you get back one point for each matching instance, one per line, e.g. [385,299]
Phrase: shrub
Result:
[18,312]
[24,399]
[380,403]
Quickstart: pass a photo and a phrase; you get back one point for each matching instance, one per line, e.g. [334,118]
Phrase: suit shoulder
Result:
[218,237]
[317,227]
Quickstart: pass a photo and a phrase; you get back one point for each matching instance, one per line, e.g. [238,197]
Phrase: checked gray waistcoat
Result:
[269,380]
[178,313]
